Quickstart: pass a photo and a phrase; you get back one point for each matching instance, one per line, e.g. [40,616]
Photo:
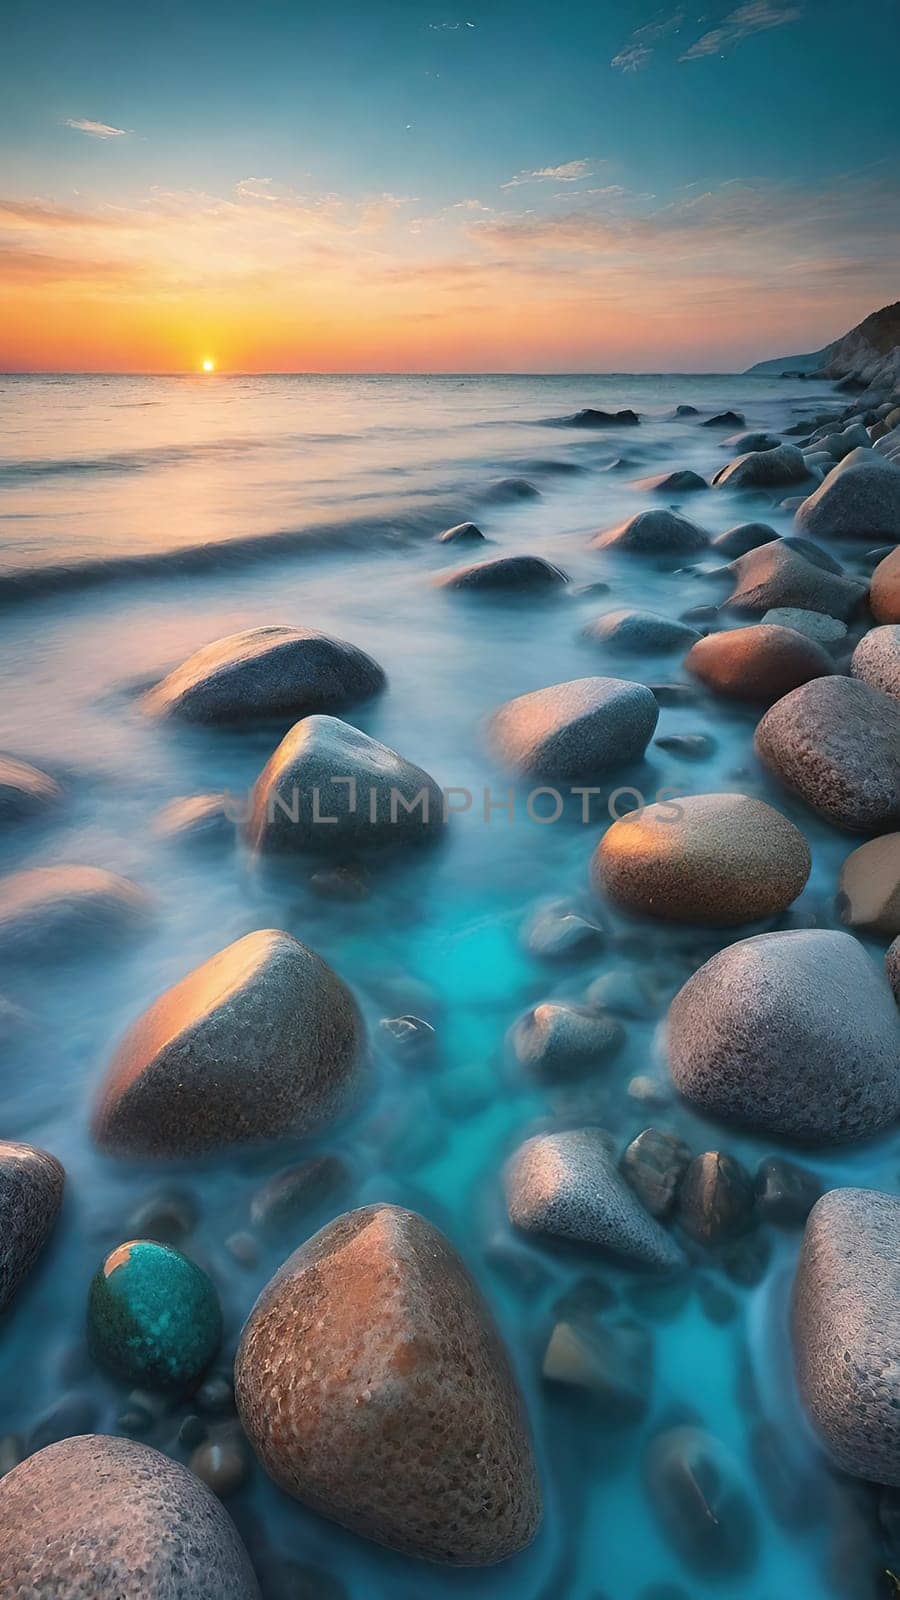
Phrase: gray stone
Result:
[556,1042]
[640,632]
[743,443]
[764,469]
[591,417]
[25,791]
[110,1519]
[266,672]
[373,1386]
[869,887]
[791,1033]
[53,911]
[694,1486]
[876,659]
[650,531]
[836,743]
[777,575]
[31,1191]
[892,968]
[461,533]
[759,663]
[884,593]
[325,769]
[566,1186]
[724,419]
[690,746]
[260,1041]
[816,625]
[859,499]
[506,574]
[716,1198]
[557,932]
[746,536]
[654,1164]
[681,482]
[573,729]
[846,1330]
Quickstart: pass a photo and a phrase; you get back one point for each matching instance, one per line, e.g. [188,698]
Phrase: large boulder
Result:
[566,1186]
[836,743]
[570,730]
[876,659]
[760,663]
[374,1387]
[261,1041]
[884,593]
[639,631]
[25,791]
[859,499]
[330,788]
[60,911]
[846,1331]
[869,889]
[109,1519]
[31,1191]
[719,859]
[764,469]
[506,574]
[651,531]
[266,672]
[776,575]
[795,1034]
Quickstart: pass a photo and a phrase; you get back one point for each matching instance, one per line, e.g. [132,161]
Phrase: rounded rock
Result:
[374,1387]
[556,1042]
[461,533]
[153,1317]
[48,911]
[815,625]
[506,574]
[110,1519]
[869,889]
[651,531]
[760,663]
[884,592]
[764,469]
[716,1198]
[859,499]
[640,631]
[785,1193]
[876,659]
[695,1489]
[266,672]
[654,1164]
[573,729]
[31,1191]
[777,574]
[836,743]
[743,538]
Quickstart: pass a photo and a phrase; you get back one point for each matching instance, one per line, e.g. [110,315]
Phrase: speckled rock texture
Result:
[31,1191]
[650,531]
[759,664]
[764,469]
[892,968]
[153,1316]
[325,769]
[876,659]
[96,1518]
[884,592]
[507,573]
[869,887]
[719,859]
[570,730]
[792,1033]
[266,672]
[846,1329]
[554,1041]
[859,499]
[775,574]
[25,791]
[825,630]
[374,1387]
[55,911]
[260,1041]
[836,743]
[566,1186]
[637,631]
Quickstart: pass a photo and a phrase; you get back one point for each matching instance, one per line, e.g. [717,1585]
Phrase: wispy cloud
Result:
[568,172]
[639,48]
[758,16]
[96,130]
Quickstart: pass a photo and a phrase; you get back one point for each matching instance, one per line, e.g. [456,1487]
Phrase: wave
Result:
[163,455]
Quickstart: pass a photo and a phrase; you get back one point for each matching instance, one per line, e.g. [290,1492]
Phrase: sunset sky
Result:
[586,185]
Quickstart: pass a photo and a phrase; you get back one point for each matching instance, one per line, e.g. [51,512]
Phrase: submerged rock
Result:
[115,1520]
[260,1041]
[195,819]
[816,625]
[330,788]
[760,663]
[573,729]
[695,1489]
[681,482]
[566,1186]
[31,1191]
[266,672]
[884,593]
[640,631]
[612,1362]
[876,659]
[836,743]
[722,859]
[461,533]
[746,536]
[651,531]
[372,1384]
[764,469]
[746,442]
[777,575]
[725,419]
[556,1042]
[846,1331]
[54,911]
[25,791]
[785,1193]
[869,889]
[592,418]
[716,1199]
[654,1164]
[513,574]
[792,1033]
[506,489]
[557,932]
[859,499]
[153,1317]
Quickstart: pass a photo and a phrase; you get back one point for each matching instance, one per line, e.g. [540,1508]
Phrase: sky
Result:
[582,185]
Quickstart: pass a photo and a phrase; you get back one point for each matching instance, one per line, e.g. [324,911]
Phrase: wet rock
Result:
[719,859]
[506,490]
[690,746]
[626,992]
[330,788]
[461,533]
[654,1164]
[153,1316]
[508,574]
[56,911]
[746,536]
[724,419]
[557,932]
[892,968]
[745,442]
[610,1361]
[695,1489]
[260,1041]
[764,469]
[648,1092]
[215,1395]
[876,659]
[651,531]
[869,890]
[573,729]
[640,631]
[846,1332]
[25,791]
[760,663]
[115,1520]
[673,694]
[812,552]
[785,1193]
[31,1191]
[836,743]
[222,1464]
[686,411]
[859,499]
[195,819]
[371,1420]
[557,1042]
[824,630]
[792,1033]
[681,482]
[884,594]
[266,672]
[716,1198]
[566,1186]
[590,417]
[281,1203]
[168,1217]
[777,575]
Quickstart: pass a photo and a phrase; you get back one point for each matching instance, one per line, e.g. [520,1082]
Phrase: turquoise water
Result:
[140,518]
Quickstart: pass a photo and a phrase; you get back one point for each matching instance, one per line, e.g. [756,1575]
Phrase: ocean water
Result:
[143,517]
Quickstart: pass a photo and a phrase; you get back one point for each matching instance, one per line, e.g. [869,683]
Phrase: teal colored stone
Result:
[153,1316]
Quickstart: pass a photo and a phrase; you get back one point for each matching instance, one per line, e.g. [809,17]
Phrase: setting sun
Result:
[208,365]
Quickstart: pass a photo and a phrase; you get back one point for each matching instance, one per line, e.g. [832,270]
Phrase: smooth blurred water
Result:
[319,498]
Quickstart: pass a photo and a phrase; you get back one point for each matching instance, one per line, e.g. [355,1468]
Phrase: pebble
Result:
[869,886]
[716,1198]
[640,631]
[694,1486]
[506,574]
[153,1316]
[556,932]
[785,1193]
[557,1042]
[31,1192]
[409,1037]
[884,593]
[654,1164]
[775,575]
[653,531]
[860,499]
[690,746]
[282,1202]
[815,625]
[222,1464]
[746,536]
[610,1361]
[461,533]
[169,1217]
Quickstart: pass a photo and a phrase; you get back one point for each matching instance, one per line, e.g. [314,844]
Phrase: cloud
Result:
[756,17]
[568,172]
[96,130]
[637,52]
